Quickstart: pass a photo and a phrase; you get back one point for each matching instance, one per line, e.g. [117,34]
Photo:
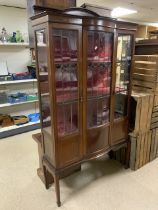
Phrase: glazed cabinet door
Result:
[44,85]
[121,91]
[97,80]
[67,67]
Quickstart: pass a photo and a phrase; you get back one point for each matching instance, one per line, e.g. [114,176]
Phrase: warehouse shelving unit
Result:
[9,108]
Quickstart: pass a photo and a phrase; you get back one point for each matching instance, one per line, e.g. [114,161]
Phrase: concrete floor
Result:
[101,185]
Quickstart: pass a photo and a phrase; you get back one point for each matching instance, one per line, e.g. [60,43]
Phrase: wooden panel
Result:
[156,144]
[141,112]
[146,65]
[141,145]
[155,109]
[133,152]
[119,131]
[145,58]
[154,125]
[49,146]
[154,114]
[141,32]
[152,144]
[38,138]
[146,50]
[150,105]
[142,89]
[97,139]
[145,77]
[145,71]
[138,147]
[154,119]
[68,150]
[126,26]
[144,112]
[137,116]
[143,84]
[141,150]
[148,147]
[156,101]
[145,149]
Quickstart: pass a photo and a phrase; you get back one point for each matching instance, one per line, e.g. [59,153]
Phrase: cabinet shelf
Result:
[99,61]
[41,45]
[43,74]
[66,62]
[14,44]
[17,81]
[21,103]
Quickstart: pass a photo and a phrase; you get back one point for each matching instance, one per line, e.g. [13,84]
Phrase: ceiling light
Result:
[153,24]
[119,12]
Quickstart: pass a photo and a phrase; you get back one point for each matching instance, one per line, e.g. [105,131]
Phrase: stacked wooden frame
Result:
[144,138]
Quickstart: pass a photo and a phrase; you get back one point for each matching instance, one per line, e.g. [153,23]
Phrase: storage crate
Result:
[154,144]
[140,149]
[141,111]
[145,73]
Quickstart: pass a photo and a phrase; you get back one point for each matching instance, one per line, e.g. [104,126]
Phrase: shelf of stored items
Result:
[17,81]
[14,129]
[17,129]
[12,44]
[14,104]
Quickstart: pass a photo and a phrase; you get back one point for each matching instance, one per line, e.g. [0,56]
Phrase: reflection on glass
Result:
[66,77]
[66,82]
[42,52]
[98,112]
[41,37]
[65,45]
[124,56]
[124,52]
[43,80]
[121,104]
[99,66]
[67,118]
[99,46]
[98,79]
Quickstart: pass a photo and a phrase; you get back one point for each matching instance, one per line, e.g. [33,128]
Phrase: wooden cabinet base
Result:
[58,174]
[48,177]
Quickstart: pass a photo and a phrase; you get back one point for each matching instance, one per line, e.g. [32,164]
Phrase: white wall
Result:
[17,58]
[14,19]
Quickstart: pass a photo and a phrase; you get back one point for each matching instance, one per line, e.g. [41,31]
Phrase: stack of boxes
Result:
[140,121]
[144,138]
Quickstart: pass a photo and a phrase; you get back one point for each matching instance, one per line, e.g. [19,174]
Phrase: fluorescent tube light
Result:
[119,12]
[154,24]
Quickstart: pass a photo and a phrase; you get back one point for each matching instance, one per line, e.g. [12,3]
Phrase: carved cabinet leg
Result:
[57,189]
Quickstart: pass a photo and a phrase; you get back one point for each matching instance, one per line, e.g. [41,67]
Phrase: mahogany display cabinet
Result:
[84,70]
